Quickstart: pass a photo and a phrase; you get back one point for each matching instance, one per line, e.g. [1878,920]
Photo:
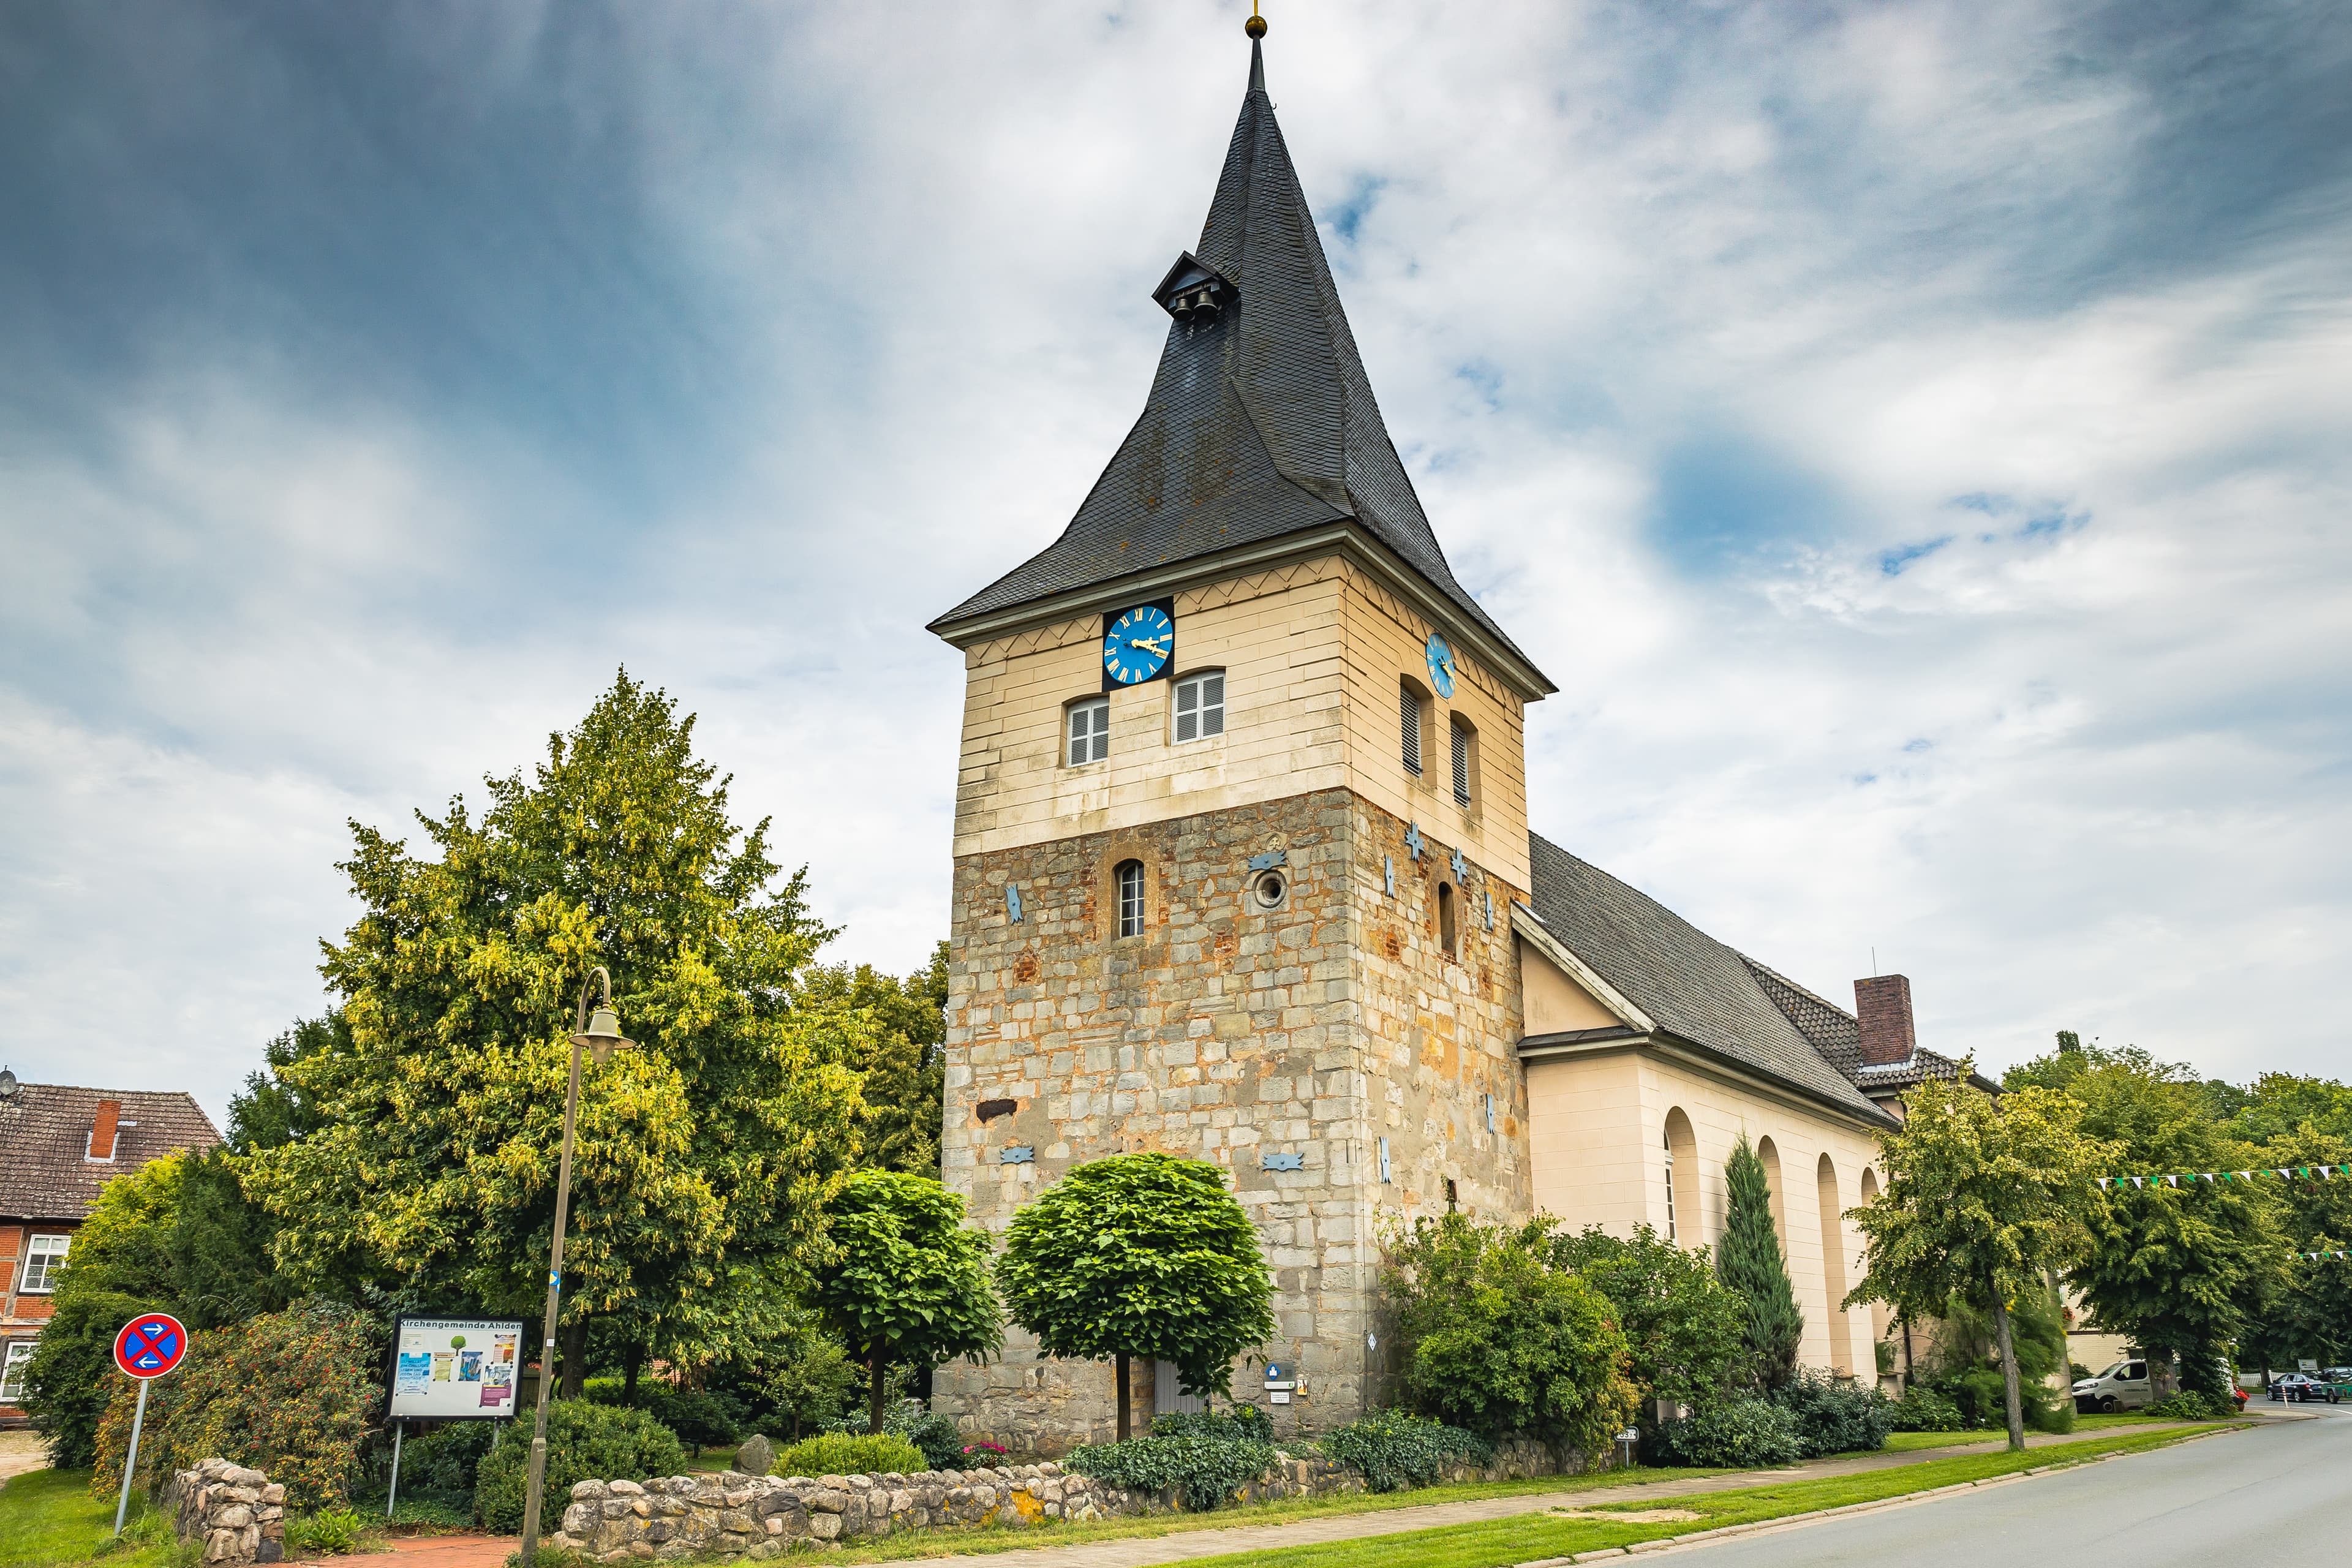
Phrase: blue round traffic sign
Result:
[151,1345]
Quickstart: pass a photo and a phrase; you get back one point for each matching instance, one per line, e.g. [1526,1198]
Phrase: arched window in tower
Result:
[1130,897]
[1445,920]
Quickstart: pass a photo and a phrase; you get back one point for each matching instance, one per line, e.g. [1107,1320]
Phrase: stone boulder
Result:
[757,1457]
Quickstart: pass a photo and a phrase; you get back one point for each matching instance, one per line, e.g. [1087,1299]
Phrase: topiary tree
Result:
[1139,1255]
[1748,1259]
[907,1281]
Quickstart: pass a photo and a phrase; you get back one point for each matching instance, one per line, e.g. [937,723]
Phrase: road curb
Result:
[1701,1538]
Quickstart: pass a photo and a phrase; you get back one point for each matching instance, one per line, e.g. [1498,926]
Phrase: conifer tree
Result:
[1748,1259]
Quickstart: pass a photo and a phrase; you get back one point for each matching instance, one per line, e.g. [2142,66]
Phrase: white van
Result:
[2123,1386]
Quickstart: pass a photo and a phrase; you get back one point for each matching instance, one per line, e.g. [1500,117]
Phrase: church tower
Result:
[1240,820]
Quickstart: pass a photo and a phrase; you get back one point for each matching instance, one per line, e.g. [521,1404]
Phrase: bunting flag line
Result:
[2318,1254]
[2284,1172]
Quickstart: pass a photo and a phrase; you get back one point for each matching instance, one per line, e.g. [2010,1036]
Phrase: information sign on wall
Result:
[452,1369]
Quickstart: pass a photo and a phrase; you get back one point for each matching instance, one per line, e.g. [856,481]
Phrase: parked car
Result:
[2300,1388]
[2336,1375]
[2123,1386]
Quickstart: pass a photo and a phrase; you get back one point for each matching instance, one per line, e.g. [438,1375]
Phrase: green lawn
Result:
[48,1518]
[1532,1536]
[1910,1442]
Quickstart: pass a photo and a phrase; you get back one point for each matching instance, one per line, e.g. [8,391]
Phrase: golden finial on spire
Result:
[1256,26]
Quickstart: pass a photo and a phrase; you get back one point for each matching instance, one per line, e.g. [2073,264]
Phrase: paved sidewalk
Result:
[1141,1552]
[434,1551]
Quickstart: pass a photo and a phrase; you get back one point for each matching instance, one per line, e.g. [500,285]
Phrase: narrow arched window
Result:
[1130,897]
[1464,738]
[1669,1140]
[1445,918]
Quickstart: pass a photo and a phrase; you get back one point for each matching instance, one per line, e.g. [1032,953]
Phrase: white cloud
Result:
[830,317]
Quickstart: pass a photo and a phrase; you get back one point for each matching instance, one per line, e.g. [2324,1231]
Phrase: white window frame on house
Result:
[49,1253]
[1126,880]
[11,1370]
[1085,732]
[1198,712]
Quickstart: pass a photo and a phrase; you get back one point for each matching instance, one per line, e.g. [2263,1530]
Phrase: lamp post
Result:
[602,1036]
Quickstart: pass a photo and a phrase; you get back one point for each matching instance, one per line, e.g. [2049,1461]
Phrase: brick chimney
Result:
[1882,1006]
[101,1131]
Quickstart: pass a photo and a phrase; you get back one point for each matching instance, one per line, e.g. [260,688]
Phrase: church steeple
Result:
[1261,423]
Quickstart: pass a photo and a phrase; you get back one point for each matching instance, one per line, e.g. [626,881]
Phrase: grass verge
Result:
[1531,1537]
[48,1518]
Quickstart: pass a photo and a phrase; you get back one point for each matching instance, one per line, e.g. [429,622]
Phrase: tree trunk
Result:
[632,1358]
[874,1392]
[1122,1396]
[2009,1374]
[575,1360]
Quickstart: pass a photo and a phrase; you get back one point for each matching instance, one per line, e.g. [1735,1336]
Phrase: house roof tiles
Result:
[44,1169]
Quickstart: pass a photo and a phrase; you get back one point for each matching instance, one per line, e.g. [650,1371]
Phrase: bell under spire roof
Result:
[1261,422]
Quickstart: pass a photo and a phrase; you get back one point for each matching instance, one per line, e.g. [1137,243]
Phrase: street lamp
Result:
[602,1036]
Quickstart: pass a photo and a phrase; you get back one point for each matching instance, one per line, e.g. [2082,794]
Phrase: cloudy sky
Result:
[1917,438]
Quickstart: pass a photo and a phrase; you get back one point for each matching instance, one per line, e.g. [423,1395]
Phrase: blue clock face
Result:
[1441,664]
[1138,645]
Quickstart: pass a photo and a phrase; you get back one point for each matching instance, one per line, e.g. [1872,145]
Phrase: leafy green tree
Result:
[1497,1338]
[1749,1261]
[2180,1268]
[903,1071]
[1139,1255]
[1684,1326]
[907,1281]
[432,1172]
[1982,1200]
[272,1110]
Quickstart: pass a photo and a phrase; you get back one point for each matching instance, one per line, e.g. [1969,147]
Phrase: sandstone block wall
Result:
[1308,1036]
[238,1514]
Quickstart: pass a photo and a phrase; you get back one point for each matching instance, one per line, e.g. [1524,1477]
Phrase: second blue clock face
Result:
[1441,664]
[1138,645]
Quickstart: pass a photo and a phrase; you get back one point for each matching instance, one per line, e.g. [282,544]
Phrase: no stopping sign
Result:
[151,1345]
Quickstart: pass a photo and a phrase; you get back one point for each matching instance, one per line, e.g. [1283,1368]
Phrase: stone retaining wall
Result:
[238,1514]
[764,1516]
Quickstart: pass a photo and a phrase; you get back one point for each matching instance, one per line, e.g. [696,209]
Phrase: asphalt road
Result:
[2280,1494]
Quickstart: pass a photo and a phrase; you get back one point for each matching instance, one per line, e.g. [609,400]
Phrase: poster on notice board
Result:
[454,1368]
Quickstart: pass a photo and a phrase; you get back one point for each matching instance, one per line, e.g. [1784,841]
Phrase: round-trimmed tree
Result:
[1139,1255]
[907,1281]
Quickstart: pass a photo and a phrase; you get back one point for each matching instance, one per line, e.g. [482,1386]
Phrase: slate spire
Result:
[1261,421]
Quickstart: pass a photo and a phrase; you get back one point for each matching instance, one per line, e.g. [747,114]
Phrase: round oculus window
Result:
[1269,890]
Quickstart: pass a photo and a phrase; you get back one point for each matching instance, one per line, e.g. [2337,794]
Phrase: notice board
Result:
[454,1368]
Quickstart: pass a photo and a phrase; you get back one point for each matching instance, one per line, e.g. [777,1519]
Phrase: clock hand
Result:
[1154,646]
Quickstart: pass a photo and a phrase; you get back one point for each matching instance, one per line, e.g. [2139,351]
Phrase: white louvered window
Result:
[1461,763]
[1089,731]
[1409,723]
[44,1256]
[1201,706]
[1130,897]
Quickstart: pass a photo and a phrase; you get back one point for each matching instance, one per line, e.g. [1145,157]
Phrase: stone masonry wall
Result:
[759,1516]
[1255,1039]
[239,1514]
